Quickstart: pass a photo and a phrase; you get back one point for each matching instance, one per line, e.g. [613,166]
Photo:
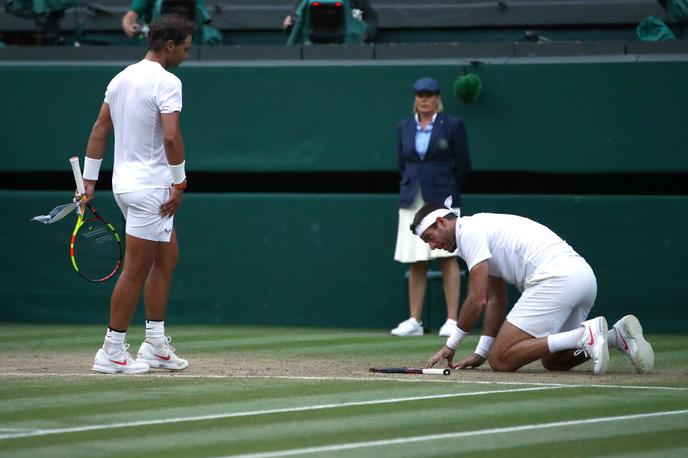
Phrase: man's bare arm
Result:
[476,301]
[172,138]
[97,140]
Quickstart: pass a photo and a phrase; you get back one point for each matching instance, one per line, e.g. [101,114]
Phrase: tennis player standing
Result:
[142,104]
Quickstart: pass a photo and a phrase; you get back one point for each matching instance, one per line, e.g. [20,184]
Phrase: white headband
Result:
[431,218]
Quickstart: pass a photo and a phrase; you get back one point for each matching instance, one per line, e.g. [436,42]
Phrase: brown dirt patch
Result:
[236,366]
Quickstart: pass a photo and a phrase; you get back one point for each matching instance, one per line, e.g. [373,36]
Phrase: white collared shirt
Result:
[423,136]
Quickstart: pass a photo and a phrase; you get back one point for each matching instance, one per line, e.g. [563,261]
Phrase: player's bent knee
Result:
[500,365]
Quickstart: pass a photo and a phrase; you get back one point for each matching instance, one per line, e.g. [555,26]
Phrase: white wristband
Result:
[91,168]
[178,172]
[455,338]
[484,345]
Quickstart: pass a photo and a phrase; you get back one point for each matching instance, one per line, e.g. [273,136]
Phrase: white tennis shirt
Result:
[517,248]
[137,96]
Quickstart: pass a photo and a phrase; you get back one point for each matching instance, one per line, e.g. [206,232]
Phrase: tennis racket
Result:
[95,247]
[406,370]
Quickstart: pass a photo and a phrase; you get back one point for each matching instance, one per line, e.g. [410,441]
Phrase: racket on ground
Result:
[95,247]
[406,370]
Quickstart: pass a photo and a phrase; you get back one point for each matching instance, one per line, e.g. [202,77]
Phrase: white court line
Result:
[411,378]
[78,429]
[434,437]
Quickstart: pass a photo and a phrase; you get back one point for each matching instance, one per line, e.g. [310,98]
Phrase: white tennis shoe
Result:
[593,344]
[120,361]
[630,340]
[447,328]
[161,357]
[410,327]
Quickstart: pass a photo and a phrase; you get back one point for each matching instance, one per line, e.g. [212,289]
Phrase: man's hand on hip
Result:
[170,207]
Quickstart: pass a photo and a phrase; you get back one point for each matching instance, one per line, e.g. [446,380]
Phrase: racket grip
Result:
[78,179]
[444,371]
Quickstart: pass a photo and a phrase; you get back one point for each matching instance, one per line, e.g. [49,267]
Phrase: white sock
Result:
[611,338]
[155,332]
[564,340]
[450,321]
[114,341]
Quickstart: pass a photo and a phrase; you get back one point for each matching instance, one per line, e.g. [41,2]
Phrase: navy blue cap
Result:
[426,85]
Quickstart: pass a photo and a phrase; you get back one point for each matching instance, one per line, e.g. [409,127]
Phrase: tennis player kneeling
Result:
[549,321]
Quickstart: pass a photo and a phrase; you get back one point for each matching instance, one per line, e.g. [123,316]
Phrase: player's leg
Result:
[571,348]
[451,282]
[564,349]
[579,339]
[156,350]
[138,259]
[144,229]
[157,286]
[521,340]
[417,283]
[114,355]
[514,348]
[563,360]
[561,300]
[140,253]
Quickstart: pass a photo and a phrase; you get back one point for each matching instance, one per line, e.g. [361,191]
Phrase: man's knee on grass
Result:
[500,364]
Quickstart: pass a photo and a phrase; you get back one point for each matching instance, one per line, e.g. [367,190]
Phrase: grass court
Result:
[267,392]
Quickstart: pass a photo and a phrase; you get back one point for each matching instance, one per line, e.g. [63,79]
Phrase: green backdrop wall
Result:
[326,260]
[553,117]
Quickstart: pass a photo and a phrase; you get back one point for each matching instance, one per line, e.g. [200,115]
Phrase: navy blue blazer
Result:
[446,164]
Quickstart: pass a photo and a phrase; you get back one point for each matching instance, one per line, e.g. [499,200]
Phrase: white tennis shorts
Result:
[558,298]
[141,209]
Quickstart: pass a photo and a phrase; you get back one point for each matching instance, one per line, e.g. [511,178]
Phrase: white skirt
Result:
[410,247]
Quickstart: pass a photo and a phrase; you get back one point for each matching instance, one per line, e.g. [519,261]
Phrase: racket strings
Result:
[97,250]
[99,234]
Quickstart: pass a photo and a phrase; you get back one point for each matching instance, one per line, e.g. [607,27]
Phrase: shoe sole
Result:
[159,364]
[604,356]
[644,358]
[407,334]
[114,370]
